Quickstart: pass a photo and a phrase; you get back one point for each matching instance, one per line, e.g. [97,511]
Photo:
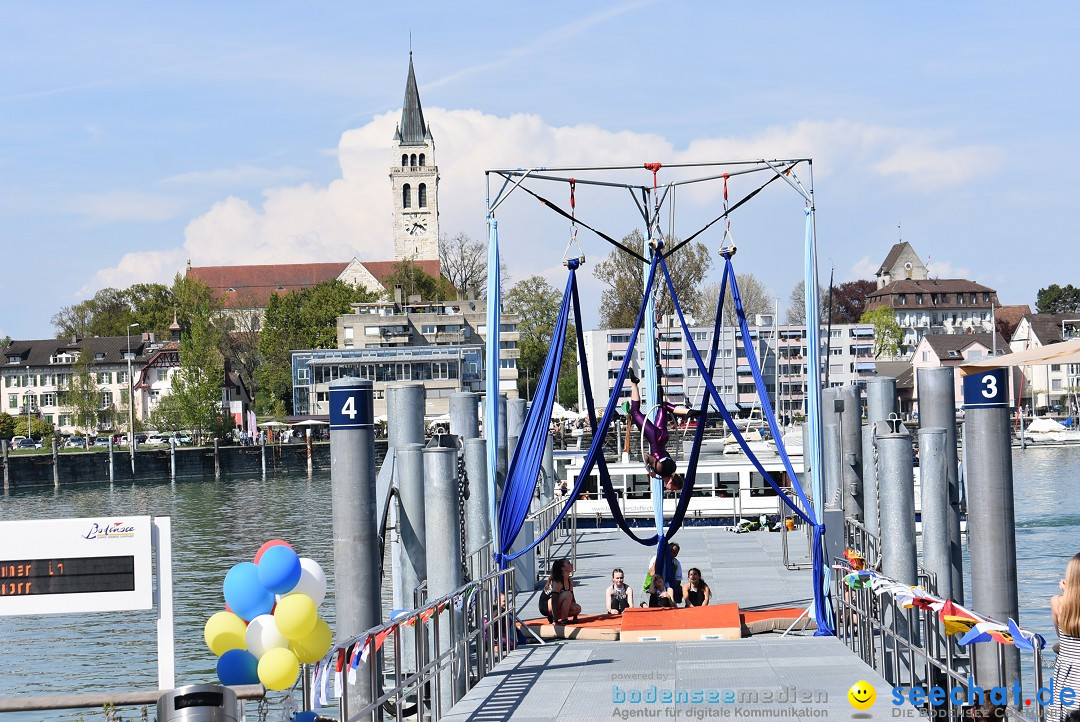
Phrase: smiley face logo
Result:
[861,695]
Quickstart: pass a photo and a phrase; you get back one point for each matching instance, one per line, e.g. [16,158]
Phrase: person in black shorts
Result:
[619,595]
[696,592]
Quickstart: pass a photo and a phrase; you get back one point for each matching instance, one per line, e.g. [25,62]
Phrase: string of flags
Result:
[957,620]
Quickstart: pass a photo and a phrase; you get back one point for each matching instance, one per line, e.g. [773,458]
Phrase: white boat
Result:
[1043,430]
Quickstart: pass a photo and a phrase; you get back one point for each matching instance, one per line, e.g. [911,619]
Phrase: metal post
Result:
[934,493]
[477,524]
[880,405]
[413,564]
[262,455]
[851,451]
[547,485]
[112,466]
[307,445]
[131,400]
[56,464]
[172,462]
[404,426]
[937,408]
[355,526]
[897,502]
[444,566]
[465,414]
[503,461]
[7,472]
[830,434]
[990,517]
[217,456]
[515,420]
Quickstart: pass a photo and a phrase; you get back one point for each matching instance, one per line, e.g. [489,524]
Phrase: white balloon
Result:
[262,635]
[312,581]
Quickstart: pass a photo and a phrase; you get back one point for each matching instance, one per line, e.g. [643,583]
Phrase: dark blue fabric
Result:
[822,613]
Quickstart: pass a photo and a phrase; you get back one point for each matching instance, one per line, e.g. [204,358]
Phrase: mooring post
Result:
[444,563]
[896,488]
[217,457]
[405,404]
[112,465]
[465,414]
[262,456]
[307,444]
[477,514]
[172,462]
[934,503]
[515,421]
[937,408]
[4,453]
[851,451]
[413,566]
[880,405]
[355,524]
[55,463]
[991,521]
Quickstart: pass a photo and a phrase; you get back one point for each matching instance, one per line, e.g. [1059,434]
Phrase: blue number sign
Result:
[988,389]
[352,407]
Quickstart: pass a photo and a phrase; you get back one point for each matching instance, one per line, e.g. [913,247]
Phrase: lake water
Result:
[217,523]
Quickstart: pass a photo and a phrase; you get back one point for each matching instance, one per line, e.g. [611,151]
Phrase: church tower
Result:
[415,180]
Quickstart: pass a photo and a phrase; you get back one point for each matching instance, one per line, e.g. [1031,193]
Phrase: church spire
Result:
[412,129]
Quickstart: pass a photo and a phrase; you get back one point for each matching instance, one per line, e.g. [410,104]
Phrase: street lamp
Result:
[131,400]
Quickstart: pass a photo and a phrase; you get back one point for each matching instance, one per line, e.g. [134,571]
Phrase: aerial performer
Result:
[657,460]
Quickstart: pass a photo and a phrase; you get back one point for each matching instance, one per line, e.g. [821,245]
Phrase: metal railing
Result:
[111,702]
[909,647]
[568,527]
[459,638]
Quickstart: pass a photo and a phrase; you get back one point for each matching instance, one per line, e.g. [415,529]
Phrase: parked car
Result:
[156,440]
[28,444]
[182,439]
[74,442]
[102,441]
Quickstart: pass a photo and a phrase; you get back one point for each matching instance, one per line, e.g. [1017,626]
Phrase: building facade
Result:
[415,180]
[1043,386]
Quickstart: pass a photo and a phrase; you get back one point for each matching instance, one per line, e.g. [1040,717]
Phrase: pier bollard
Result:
[851,451]
[413,567]
[4,454]
[55,463]
[172,461]
[503,461]
[869,484]
[465,414]
[112,462]
[547,484]
[880,405]
[355,525]
[444,564]
[262,456]
[934,497]
[991,521]
[515,422]
[405,404]
[937,408]
[830,434]
[307,444]
[477,514]
[217,457]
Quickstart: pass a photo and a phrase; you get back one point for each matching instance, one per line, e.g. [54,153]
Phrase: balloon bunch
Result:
[272,623]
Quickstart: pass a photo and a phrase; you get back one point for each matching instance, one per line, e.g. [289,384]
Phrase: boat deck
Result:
[763,676]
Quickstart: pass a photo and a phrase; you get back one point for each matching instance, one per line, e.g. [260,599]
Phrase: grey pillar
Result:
[405,404]
[4,453]
[217,457]
[525,565]
[547,484]
[880,404]
[897,501]
[56,465]
[262,457]
[515,420]
[307,448]
[851,451]
[934,498]
[869,482]
[413,566]
[991,514]
[937,408]
[112,465]
[503,461]
[465,414]
[830,432]
[405,414]
[477,516]
[172,461]
[444,562]
[355,524]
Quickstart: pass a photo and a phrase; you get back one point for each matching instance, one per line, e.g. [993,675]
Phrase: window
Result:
[404,159]
[918,299]
[960,299]
[406,196]
[507,345]
[104,377]
[121,377]
[421,195]
[64,420]
[13,401]
[508,363]
[423,161]
[348,333]
[925,356]
[507,328]
[440,370]
[1055,384]
[1055,367]
[429,328]
[371,330]
[301,374]
[902,298]
[48,399]
[618,338]
[99,357]
[412,160]
[106,399]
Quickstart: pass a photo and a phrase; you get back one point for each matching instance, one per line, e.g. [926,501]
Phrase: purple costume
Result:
[656,434]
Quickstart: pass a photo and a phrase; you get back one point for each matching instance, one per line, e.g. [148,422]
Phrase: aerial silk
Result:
[491,402]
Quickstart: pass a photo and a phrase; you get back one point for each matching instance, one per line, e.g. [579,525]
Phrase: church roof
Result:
[412,130]
[894,256]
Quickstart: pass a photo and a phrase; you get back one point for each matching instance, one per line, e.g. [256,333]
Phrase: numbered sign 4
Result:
[352,406]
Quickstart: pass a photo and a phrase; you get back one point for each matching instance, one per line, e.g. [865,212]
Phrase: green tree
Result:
[1058,299]
[110,311]
[84,398]
[537,302]
[624,277]
[168,415]
[7,426]
[40,430]
[887,334]
[197,385]
[414,281]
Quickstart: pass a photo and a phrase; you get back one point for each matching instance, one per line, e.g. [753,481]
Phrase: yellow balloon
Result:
[278,669]
[295,616]
[315,645]
[225,631]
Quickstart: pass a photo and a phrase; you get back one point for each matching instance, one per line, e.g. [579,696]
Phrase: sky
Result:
[136,137]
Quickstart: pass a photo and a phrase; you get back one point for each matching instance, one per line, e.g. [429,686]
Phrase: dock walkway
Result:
[760,677]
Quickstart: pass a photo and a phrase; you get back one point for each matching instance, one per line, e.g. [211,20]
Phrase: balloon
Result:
[312,580]
[263,635]
[224,631]
[269,544]
[296,616]
[278,669]
[279,569]
[238,666]
[244,594]
[313,647]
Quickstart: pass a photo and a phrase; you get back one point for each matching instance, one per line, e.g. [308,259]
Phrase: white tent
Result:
[1055,353]
[311,422]
[560,413]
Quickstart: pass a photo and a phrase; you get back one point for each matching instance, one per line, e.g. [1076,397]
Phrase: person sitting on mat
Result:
[659,594]
[619,595]
[676,589]
[658,461]
[557,599]
[696,592]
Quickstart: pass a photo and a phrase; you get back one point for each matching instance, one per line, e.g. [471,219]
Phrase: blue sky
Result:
[134,136]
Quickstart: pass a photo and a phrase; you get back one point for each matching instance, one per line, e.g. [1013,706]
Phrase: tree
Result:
[110,311]
[887,334]
[197,385]
[755,297]
[414,281]
[7,426]
[624,277]
[464,263]
[1058,299]
[537,302]
[849,300]
[796,311]
[84,398]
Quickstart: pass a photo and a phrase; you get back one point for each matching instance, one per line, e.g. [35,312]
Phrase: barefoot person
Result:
[657,460]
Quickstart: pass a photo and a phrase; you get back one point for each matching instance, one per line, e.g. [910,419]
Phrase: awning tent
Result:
[1066,352]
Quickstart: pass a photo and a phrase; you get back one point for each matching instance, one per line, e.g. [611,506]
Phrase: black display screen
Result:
[73,575]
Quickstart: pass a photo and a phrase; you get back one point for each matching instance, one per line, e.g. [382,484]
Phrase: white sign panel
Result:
[61,566]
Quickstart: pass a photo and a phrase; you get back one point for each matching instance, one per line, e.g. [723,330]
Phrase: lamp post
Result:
[131,400]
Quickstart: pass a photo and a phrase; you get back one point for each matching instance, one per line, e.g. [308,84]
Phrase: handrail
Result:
[89,700]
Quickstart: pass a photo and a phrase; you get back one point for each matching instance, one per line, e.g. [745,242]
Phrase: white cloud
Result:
[944,269]
[864,268]
[137,267]
[351,216]
[120,206]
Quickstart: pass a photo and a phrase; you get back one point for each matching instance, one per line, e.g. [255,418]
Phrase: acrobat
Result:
[657,460]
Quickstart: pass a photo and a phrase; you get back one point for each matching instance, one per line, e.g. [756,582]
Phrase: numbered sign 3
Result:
[988,389]
[352,406]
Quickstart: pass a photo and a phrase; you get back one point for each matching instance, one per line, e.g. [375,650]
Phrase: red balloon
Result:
[271,543]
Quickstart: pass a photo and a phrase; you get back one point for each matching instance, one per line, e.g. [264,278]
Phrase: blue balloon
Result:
[238,666]
[279,569]
[244,594]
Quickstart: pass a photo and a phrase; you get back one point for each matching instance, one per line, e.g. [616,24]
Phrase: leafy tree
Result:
[110,311]
[624,277]
[887,334]
[197,385]
[414,281]
[755,297]
[84,398]
[7,426]
[849,300]
[1058,299]
[168,414]
[537,302]
[40,430]
[320,307]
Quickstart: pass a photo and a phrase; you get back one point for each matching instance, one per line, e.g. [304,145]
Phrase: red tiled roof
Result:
[252,286]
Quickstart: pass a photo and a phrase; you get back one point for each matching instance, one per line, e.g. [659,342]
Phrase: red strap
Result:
[573,184]
[655,168]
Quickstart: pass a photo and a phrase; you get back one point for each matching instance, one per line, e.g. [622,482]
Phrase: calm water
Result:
[219,523]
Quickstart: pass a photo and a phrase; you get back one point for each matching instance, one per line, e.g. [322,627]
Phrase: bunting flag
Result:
[354,658]
[861,579]
[985,632]
[1025,640]
[956,619]
[339,666]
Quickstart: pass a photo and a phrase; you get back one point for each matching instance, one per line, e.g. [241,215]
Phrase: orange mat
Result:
[716,621]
